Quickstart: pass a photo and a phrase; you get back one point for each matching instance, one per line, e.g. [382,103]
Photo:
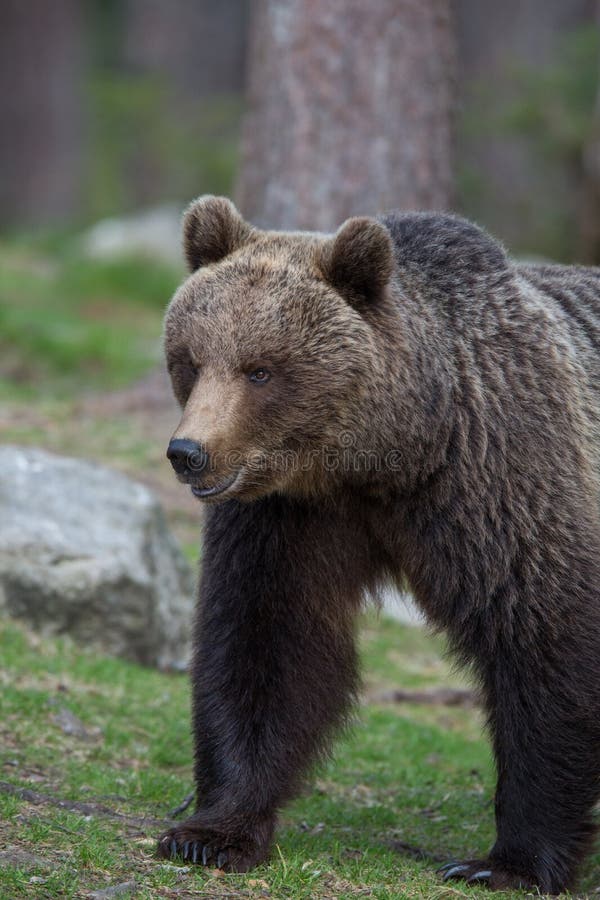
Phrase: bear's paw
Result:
[489,873]
[216,849]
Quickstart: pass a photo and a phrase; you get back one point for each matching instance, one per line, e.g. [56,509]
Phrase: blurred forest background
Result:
[109,106]
[116,113]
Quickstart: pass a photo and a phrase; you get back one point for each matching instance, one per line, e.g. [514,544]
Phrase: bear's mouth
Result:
[214,490]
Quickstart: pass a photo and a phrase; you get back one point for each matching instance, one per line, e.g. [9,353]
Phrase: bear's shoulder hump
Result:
[443,245]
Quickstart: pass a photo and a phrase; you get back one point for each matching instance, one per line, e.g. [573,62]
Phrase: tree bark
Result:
[41,111]
[349,110]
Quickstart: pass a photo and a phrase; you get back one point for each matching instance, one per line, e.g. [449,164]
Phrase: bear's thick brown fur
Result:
[396,401]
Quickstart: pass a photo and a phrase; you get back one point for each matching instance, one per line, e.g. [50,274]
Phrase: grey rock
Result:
[153,233]
[116,890]
[22,859]
[85,551]
[71,725]
[401,606]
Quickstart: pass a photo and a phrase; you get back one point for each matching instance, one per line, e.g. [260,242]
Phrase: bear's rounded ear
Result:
[212,229]
[358,260]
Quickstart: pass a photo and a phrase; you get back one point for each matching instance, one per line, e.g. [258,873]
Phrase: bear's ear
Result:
[212,229]
[358,260]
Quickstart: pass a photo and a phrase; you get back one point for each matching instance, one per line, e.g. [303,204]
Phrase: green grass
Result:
[421,776]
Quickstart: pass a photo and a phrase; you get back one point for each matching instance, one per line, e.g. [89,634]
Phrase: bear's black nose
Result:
[187,457]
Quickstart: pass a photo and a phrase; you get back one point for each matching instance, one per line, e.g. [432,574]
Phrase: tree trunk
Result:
[349,110]
[41,111]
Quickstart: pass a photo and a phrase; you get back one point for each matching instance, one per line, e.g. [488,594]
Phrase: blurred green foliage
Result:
[554,105]
[549,111]
[147,140]
[68,322]
[141,136]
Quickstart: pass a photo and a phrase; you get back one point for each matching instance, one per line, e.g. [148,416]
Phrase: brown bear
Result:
[395,401]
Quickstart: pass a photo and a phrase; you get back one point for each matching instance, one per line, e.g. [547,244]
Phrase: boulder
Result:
[153,233]
[85,551]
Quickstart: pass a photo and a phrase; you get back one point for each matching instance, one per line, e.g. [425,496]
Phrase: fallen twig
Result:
[84,809]
[185,803]
[415,852]
[433,697]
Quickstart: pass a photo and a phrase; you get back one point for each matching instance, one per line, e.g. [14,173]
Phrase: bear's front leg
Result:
[274,669]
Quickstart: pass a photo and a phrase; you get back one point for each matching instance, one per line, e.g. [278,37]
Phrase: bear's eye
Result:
[259,376]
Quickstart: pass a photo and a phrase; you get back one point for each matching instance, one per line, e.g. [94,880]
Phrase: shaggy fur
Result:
[431,412]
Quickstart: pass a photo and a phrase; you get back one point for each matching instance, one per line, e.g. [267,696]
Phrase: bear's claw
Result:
[486,872]
[481,877]
[192,851]
[452,870]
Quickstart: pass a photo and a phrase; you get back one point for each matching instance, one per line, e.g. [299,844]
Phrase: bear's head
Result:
[271,348]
